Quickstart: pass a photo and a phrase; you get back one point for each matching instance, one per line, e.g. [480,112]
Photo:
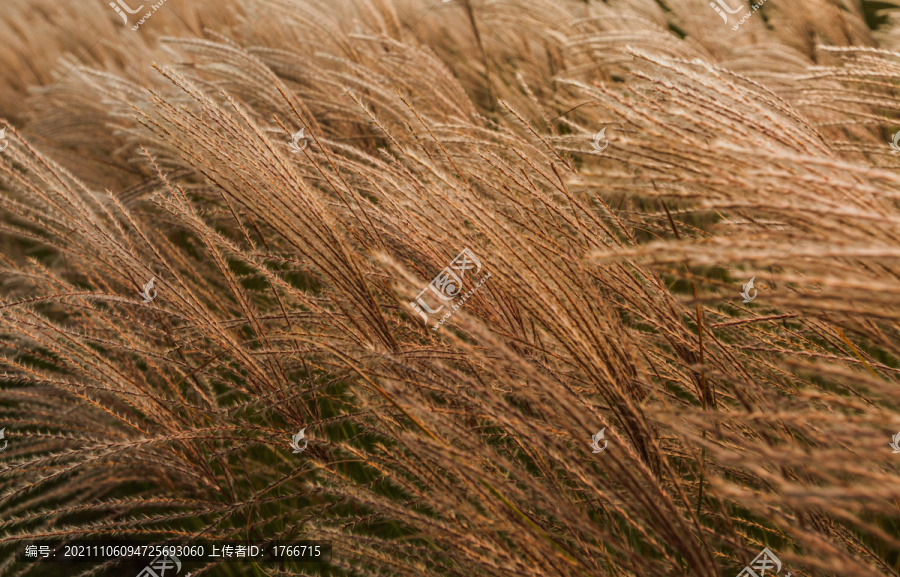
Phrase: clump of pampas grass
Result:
[283,279]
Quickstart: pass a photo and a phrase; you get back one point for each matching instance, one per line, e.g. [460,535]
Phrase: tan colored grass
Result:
[283,281]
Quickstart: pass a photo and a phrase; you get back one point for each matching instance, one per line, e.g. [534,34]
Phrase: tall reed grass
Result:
[613,303]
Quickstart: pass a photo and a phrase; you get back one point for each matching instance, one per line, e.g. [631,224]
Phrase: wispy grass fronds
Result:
[283,279]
